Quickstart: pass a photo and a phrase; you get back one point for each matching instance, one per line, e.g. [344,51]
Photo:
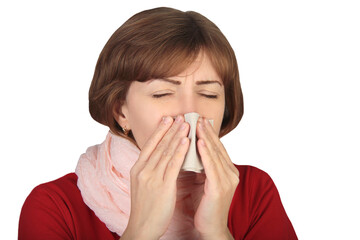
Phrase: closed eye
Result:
[160,95]
[166,94]
[209,96]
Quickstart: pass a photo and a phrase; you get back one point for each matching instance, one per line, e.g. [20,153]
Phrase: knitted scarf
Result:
[104,181]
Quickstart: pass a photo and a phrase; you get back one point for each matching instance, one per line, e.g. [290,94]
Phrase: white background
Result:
[299,70]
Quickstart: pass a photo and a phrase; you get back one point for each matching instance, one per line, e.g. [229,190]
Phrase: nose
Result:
[187,104]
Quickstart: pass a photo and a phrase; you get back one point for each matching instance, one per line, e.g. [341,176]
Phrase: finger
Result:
[174,165]
[151,144]
[168,154]
[155,138]
[213,151]
[216,150]
[210,167]
[222,178]
[162,149]
[211,133]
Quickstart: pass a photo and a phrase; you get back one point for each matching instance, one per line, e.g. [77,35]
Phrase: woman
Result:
[161,63]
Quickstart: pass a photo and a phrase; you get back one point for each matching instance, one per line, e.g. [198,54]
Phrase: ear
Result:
[120,113]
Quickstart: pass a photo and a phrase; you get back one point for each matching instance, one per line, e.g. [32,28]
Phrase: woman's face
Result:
[197,89]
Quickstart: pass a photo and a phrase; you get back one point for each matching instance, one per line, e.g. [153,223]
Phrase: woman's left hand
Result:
[222,178]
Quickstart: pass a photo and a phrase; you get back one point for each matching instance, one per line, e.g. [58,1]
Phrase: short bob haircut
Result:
[160,43]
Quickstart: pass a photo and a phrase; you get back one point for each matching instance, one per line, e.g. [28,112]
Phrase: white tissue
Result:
[192,159]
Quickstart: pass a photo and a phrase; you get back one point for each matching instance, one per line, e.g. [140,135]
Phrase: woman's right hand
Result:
[153,180]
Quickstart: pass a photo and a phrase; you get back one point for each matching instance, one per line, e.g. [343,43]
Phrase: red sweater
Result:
[56,210]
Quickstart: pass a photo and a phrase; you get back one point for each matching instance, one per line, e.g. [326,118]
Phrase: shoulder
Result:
[255,186]
[252,175]
[56,210]
[247,169]
[44,211]
[66,183]
[48,210]
[256,210]
[57,192]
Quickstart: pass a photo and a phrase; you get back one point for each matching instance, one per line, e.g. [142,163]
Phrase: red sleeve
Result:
[256,211]
[42,217]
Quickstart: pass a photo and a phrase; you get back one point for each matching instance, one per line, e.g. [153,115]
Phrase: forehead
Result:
[179,82]
[201,71]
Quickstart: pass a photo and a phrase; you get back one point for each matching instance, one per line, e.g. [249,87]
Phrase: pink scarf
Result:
[104,181]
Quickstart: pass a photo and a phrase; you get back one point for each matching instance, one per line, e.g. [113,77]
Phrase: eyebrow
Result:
[201,82]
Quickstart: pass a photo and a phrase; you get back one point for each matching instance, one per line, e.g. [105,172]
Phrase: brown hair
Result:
[159,43]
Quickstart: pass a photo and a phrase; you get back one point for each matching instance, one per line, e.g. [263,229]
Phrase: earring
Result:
[126,131]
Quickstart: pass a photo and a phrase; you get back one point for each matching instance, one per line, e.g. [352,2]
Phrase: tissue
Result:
[192,159]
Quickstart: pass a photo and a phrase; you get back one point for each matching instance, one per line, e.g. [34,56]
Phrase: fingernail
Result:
[166,120]
[178,119]
[184,140]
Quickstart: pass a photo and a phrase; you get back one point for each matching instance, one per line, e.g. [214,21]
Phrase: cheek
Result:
[216,113]
[217,124]
[144,124]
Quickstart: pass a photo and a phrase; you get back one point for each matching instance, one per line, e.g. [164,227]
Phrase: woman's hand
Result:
[222,178]
[153,180]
